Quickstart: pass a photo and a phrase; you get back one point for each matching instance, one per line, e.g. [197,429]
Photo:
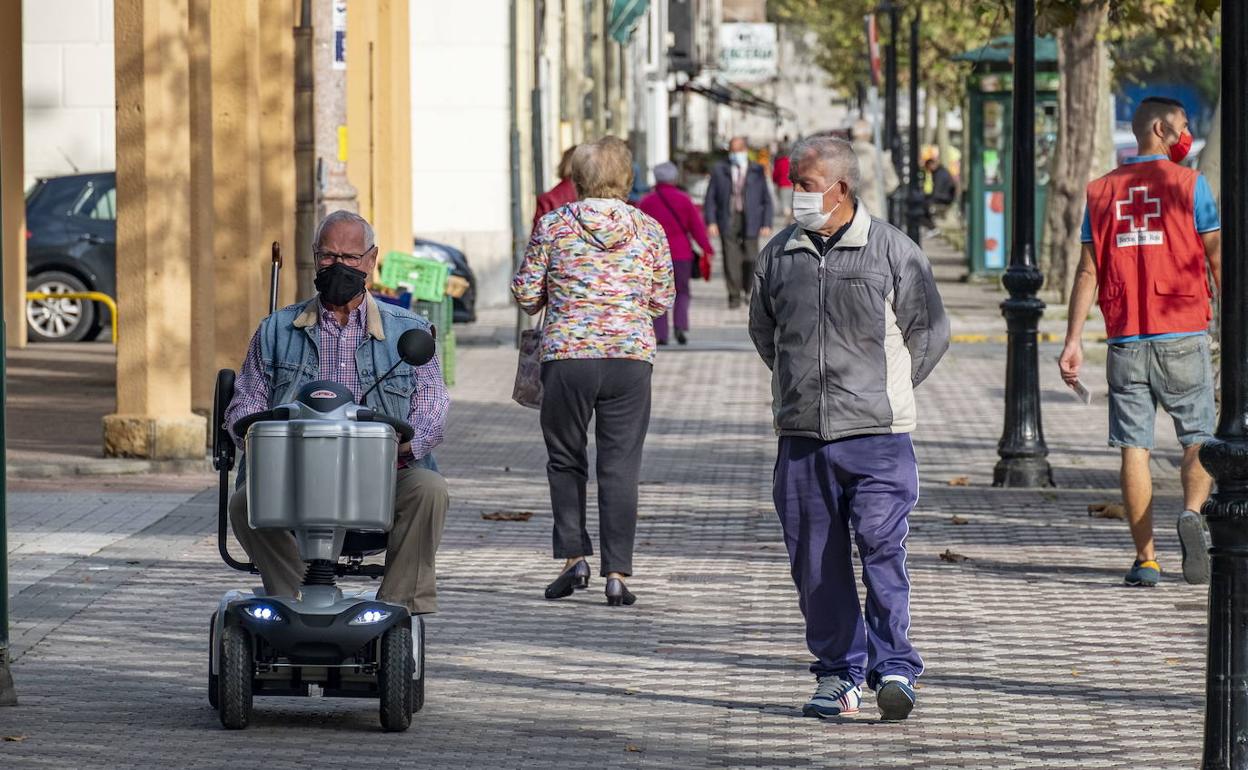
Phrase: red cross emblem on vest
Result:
[1136,209]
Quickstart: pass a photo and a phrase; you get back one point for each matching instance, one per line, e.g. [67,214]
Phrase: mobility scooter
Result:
[324,469]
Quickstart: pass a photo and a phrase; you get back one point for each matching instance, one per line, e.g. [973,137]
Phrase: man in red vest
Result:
[1150,228]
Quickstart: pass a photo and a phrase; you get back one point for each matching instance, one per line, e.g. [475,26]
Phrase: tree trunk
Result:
[1211,157]
[1079,64]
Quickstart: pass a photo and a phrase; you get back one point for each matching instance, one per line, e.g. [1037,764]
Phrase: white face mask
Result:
[808,208]
[740,158]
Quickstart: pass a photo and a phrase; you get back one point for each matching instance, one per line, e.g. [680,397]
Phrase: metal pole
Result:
[517,221]
[8,693]
[890,79]
[1226,457]
[1024,455]
[914,207]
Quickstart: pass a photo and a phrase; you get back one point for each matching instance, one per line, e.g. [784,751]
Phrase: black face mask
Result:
[339,284]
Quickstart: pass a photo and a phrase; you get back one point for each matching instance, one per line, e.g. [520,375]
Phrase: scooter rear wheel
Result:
[237,670]
[394,679]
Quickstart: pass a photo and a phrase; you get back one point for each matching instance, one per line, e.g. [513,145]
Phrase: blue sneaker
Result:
[1143,573]
[833,697]
[895,697]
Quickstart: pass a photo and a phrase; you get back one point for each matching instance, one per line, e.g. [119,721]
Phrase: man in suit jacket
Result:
[738,209]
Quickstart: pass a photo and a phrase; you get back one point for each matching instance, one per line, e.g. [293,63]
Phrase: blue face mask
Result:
[740,158]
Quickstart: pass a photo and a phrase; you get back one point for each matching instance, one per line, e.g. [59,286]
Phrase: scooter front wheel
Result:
[394,679]
[237,670]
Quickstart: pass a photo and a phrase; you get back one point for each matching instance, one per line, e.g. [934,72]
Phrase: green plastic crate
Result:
[442,316]
[425,277]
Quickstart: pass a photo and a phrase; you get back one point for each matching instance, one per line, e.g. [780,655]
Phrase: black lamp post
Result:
[1024,455]
[914,201]
[1226,671]
[892,137]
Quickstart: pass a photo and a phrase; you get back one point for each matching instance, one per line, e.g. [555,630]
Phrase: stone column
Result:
[203,266]
[240,248]
[394,128]
[12,199]
[277,138]
[153,417]
[361,105]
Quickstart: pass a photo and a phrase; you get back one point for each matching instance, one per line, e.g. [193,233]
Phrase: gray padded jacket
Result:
[847,336]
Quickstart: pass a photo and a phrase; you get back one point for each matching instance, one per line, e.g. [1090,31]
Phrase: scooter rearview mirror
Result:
[417,347]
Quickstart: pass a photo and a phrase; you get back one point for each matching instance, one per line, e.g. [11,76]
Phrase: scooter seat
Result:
[358,543]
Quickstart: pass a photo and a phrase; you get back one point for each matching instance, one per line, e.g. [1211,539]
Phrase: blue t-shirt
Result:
[1206,219]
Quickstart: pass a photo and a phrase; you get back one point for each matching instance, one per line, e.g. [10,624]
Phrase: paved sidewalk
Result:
[1036,655]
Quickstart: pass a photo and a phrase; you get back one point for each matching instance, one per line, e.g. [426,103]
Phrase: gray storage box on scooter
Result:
[320,478]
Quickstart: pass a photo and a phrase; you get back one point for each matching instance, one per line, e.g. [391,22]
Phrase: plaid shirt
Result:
[430,400]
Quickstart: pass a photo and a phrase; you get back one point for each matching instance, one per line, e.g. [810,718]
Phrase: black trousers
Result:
[616,392]
[739,255]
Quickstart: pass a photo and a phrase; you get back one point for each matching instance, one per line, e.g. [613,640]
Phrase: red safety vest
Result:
[1150,259]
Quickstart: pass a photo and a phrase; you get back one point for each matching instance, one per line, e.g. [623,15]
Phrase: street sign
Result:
[747,52]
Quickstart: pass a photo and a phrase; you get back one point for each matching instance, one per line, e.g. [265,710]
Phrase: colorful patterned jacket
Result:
[603,271]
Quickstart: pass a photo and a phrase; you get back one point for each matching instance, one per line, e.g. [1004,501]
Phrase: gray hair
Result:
[836,155]
[666,173]
[342,215]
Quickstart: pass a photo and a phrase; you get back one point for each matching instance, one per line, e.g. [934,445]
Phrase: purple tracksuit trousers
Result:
[822,489]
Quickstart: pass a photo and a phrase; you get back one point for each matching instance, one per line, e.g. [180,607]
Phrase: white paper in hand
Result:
[1082,393]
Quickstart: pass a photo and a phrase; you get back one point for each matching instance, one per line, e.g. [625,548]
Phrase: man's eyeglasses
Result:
[327,258]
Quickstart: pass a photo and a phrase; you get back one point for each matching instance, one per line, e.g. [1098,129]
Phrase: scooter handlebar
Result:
[405,431]
[276,413]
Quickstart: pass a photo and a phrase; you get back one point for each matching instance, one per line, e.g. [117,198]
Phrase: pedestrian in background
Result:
[847,317]
[738,209]
[1149,229]
[943,192]
[562,193]
[682,222]
[780,178]
[601,270]
[879,176]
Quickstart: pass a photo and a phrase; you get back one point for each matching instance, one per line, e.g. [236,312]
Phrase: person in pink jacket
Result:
[682,222]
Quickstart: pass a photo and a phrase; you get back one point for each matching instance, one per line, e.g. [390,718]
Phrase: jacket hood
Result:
[604,222]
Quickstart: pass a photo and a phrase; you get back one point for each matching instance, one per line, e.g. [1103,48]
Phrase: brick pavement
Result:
[1036,656]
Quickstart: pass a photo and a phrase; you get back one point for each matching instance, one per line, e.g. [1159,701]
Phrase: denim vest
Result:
[290,351]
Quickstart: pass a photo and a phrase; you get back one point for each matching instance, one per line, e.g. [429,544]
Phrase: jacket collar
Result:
[311,314]
[854,238]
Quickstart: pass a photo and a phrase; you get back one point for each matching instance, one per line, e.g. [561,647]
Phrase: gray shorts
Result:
[1176,373]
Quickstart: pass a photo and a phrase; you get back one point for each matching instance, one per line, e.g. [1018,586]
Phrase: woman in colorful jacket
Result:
[602,271]
[682,222]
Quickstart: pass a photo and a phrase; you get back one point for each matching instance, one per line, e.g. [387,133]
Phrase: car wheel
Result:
[58,320]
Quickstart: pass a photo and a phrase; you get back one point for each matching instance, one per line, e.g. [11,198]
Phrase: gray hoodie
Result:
[848,335]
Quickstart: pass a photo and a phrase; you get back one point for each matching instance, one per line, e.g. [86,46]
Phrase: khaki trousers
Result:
[420,504]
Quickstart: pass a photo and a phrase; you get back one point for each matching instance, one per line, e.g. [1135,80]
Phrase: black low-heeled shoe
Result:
[618,593]
[572,578]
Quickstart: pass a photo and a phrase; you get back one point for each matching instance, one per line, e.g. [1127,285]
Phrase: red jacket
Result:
[780,172]
[556,197]
[679,215]
[1150,259]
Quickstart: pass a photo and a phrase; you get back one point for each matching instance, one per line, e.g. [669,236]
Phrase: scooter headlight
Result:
[370,616]
[263,613]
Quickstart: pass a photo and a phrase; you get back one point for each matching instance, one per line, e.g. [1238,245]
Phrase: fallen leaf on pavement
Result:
[634,747]
[508,516]
[14,738]
[952,557]
[960,481]
[1074,672]
[1172,661]
[959,520]
[1107,511]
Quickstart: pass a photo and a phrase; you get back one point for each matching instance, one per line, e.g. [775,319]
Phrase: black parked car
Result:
[71,246]
[465,306]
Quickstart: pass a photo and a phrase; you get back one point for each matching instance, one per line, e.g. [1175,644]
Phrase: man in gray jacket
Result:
[847,317]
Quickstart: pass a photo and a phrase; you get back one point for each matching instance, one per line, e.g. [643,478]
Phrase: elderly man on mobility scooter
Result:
[342,336]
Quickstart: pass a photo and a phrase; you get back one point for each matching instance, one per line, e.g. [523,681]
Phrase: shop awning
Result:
[625,14]
[736,96]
